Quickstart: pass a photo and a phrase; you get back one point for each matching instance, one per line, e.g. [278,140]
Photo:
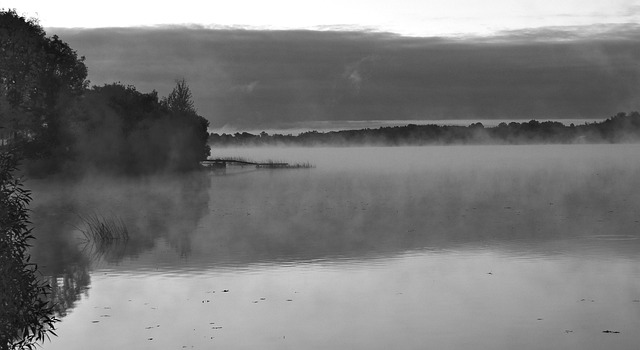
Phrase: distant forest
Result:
[57,123]
[620,128]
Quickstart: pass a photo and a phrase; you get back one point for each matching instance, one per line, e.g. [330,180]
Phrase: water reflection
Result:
[521,203]
[444,300]
[67,287]
[151,208]
[481,241]
[58,256]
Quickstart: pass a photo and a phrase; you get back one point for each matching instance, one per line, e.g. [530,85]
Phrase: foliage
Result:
[61,124]
[125,131]
[185,117]
[180,99]
[40,80]
[25,315]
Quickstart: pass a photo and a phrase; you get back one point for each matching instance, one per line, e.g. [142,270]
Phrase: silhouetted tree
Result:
[192,130]
[60,124]
[40,80]
[180,99]
[619,128]
[126,131]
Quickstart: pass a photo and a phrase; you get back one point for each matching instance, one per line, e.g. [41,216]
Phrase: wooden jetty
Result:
[222,163]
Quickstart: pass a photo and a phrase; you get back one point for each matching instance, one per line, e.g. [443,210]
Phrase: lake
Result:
[452,247]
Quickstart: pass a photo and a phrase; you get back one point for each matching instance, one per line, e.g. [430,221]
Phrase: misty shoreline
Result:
[621,128]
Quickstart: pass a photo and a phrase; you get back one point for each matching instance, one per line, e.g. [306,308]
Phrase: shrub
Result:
[26,317]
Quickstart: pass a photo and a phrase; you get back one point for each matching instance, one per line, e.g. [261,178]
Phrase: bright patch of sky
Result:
[407,17]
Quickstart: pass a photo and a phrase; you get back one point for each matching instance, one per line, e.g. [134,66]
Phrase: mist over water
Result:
[336,125]
[394,247]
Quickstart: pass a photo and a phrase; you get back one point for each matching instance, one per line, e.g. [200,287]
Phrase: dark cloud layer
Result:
[253,78]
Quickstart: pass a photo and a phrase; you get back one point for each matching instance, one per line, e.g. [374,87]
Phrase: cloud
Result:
[356,73]
[260,78]
[247,88]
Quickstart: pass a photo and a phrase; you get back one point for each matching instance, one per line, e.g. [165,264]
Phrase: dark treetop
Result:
[619,128]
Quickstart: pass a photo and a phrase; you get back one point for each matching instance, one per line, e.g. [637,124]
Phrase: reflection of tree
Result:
[167,208]
[66,288]
[63,266]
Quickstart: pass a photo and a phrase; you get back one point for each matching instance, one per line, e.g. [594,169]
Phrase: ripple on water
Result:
[613,237]
[195,268]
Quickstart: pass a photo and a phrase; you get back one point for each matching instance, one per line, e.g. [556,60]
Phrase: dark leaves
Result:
[25,317]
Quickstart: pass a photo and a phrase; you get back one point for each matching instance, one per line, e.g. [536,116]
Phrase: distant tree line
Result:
[622,127]
[61,124]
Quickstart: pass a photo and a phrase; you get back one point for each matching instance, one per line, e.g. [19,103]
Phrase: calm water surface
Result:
[492,247]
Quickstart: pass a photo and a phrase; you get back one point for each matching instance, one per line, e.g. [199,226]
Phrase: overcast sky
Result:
[263,62]
[406,17]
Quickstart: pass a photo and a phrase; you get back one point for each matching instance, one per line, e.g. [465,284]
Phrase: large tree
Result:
[194,135]
[47,108]
[126,131]
[40,80]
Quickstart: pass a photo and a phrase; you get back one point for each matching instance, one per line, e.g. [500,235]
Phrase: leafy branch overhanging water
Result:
[26,317]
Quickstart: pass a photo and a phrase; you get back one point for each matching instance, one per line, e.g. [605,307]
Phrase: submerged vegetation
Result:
[62,125]
[103,236]
[103,229]
[26,317]
[622,127]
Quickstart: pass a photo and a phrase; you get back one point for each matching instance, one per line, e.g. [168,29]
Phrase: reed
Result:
[101,229]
